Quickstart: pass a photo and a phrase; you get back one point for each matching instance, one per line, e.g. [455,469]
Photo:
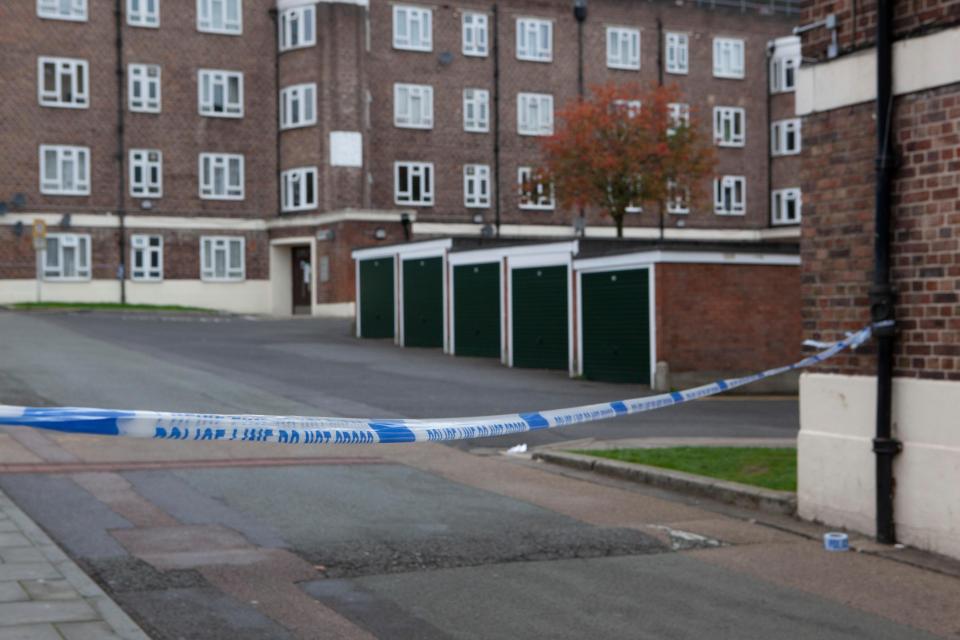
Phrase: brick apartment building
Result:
[837,97]
[231,153]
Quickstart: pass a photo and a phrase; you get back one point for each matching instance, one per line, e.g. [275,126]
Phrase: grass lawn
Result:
[106,306]
[759,466]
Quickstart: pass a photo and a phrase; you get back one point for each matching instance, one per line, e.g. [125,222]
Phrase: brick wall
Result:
[731,318]
[837,244]
[857,20]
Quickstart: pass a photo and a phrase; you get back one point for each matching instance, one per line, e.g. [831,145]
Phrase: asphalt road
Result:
[241,541]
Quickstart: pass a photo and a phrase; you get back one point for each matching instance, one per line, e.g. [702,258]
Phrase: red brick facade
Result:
[837,230]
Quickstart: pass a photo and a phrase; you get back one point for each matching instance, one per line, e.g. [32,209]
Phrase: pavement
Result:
[241,541]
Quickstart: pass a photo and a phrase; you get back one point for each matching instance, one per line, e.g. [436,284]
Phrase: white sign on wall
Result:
[346,149]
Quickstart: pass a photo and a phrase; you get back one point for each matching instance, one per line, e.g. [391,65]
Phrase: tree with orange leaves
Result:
[624,147]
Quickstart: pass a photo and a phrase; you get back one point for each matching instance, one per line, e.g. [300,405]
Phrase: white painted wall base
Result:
[335,310]
[836,466]
[248,296]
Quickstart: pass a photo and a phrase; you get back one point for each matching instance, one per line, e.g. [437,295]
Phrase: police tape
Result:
[304,430]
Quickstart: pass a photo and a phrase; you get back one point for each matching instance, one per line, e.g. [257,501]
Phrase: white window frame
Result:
[298,178]
[476,186]
[678,199]
[677,113]
[476,34]
[630,107]
[405,97]
[221,78]
[150,164]
[476,110]
[144,79]
[210,246]
[50,9]
[74,70]
[780,131]
[623,48]
[729,58]
[298,100]
[293,24]
[677,52]
[205,17]
[79,157]
[780,200]
[535,104]
[783,69]
[403,194]
[147,246]
[220,162]
[733,119]
[80,243]
[725,185]
[407,16]
[544,201]
[530,48]
[143,13]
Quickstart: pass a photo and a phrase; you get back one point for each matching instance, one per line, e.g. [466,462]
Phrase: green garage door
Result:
[540,337]
[476,310]
[376,298]
[616,326]
[423,302]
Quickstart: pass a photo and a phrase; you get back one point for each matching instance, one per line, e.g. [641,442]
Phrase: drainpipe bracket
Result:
[887,446]
[882,297]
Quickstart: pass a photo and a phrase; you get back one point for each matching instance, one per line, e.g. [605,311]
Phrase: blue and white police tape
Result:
[302,430]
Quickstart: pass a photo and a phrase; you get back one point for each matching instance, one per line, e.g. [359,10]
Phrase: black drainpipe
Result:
[275,17]
[580,13]
[662,205]
[495,114]
[771,47]
[121,155]
[885,446]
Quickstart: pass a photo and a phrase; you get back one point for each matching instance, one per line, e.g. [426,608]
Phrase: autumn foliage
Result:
[623,146]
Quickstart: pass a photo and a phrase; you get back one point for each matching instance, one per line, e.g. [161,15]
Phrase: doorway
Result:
[301,271]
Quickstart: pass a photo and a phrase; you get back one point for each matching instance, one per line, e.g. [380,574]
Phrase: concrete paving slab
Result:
[50,590]
[28,571]
[30,632]
[21,613]
[86,631]
[22,554]
[16,539]
[12,592]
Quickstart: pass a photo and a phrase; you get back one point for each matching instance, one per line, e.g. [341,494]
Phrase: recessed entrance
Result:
[300,270]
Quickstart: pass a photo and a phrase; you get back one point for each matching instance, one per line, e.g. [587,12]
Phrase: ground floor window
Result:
[222,258]
[67,257]
[146,259]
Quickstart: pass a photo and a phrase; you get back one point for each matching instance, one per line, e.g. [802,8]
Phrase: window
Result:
[623,48]
[413,106]
[413,183]
[785,137]
[298,189]
[63,9]
[221,176]
[534,114]
[728,58]
[146,257]
[784,64]
[678,198]
[143,90]
[678,114]
[729,195]
[221,258]
[220,16]
[67,257]
[412,28]
[678,52]
[476,110]
[298,106]
[143,13]
[220,93]
[534,40]
[728,126]
[786,206]
[62,82]
[534,194]
[631,107]
[475,34]
[146,173]
[64,171]
[298,27]
[476,186]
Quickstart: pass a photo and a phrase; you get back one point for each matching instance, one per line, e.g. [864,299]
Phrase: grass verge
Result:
[758,466]
[105,306]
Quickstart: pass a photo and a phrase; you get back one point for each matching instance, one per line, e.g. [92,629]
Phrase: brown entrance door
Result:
[300,263]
